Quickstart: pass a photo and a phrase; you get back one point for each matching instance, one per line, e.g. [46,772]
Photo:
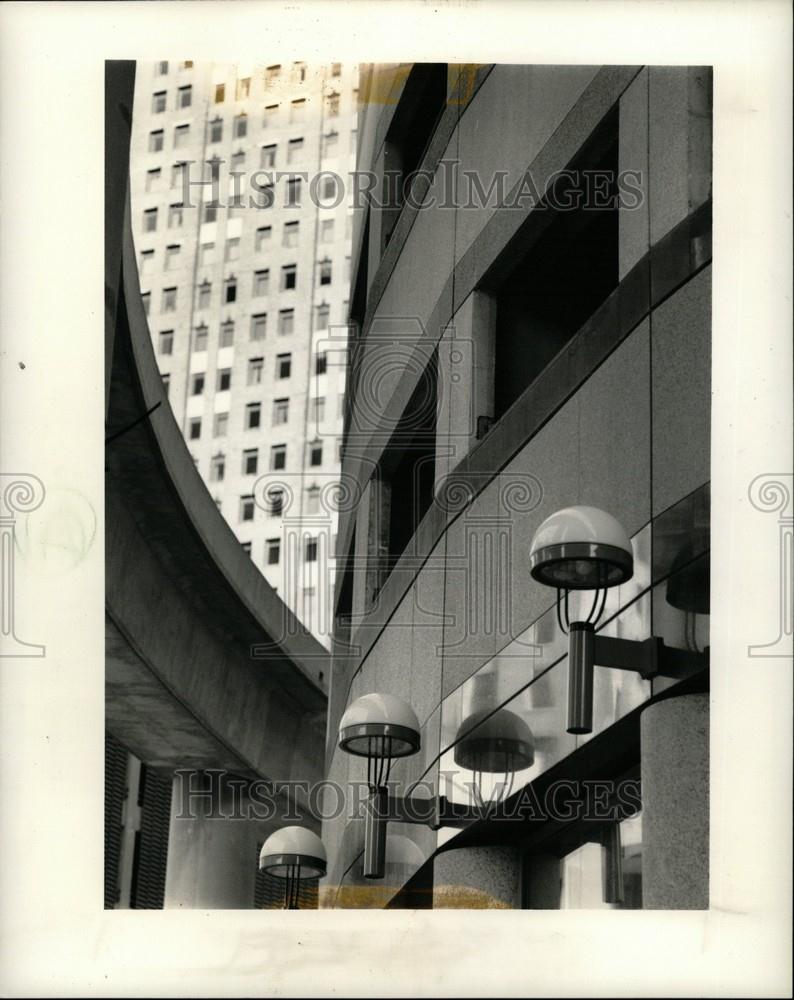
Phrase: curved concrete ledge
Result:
[206,666]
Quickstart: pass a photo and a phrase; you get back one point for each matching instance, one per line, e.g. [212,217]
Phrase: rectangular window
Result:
[283,365]
[286,321]
[327,231]
[261,282]
[224,381]
[146,299]
[220,92]
[325,272]
[289,277]
[336,69]
[158,102]
[169,300]
[176,174]
[197,384]
[210,211]
[313,500]
[220,424]
[316,453]
[332,105]
[175,216]
[272,73]
[262,237]
[156,141]
[172,256]
[267,157]
[215,130]
[240,128]
[280,411]
[330,143]
[275,501]
[253,415]
[217,468]
[247,508]
[290,234]
[273,550]
[243,88]
[153,179]
[278,457]
[254,371]
[297,109]
[181,136]
[206,254]
[162,68]
[554,288]
[232,251]
[146,264]
[320,363]
[294,150]
[150,220]
[238,164]
[245,546]
[294,192]
[230,290]
[227,333]
[200,338]
[194,426]
[258,326]
[185,96]
[311,550]
[166,342]
[317,414]
[166,380]
[250,461]
[271,114]
[204,295]
[322,316]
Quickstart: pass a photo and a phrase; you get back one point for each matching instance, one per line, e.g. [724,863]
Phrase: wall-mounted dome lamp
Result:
[379,727]
[500,743]
[293,853]
[584,548]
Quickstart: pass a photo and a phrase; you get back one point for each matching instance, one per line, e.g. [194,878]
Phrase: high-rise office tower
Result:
[241,214]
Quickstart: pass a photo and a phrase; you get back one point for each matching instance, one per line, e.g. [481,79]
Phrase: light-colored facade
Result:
[550,357]
[246,289]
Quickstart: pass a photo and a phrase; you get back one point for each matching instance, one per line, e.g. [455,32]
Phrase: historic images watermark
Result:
[772,493]
[447,186]
[219,795]
[21,493]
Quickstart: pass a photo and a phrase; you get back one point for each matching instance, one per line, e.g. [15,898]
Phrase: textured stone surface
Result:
[675,803]
[633,155]
[681,362]
[477,878]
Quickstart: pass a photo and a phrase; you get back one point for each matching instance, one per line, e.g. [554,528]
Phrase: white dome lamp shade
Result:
[581,548]
[293,854]
[497,742]
[379,727]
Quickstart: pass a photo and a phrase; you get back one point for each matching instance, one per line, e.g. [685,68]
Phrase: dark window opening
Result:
[407,469]
[568,271]
[421,105]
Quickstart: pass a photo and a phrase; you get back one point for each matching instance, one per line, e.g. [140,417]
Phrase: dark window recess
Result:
[569,269]
[151,841]
[407,469]
[421,104]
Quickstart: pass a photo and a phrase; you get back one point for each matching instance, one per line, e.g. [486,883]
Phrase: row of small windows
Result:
[261,282]
[250,460]
[252,419]
[253,414]
[268,153]
[223,378]
[266,199]
[162,66]
[184,99]
[274,501]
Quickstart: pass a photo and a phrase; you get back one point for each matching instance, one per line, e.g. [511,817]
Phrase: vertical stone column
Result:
[212,846]
[483,878]
[675,803]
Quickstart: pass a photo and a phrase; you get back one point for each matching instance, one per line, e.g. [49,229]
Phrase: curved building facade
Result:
[531,330]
